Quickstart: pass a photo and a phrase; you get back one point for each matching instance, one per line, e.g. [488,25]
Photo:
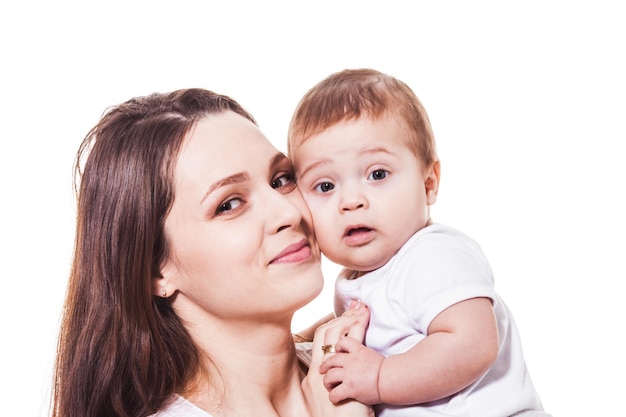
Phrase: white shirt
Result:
[180,407]
[436,268]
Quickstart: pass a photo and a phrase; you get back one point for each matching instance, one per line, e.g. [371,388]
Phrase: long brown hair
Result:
[121,350]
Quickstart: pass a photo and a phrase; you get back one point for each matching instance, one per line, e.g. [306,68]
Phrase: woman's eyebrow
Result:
[278,159]
[240,177]
[231,179]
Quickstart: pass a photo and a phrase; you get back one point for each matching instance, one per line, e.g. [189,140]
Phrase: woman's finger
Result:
[313,384]
[360,315]
[349,343]
[352,322]
[318,342]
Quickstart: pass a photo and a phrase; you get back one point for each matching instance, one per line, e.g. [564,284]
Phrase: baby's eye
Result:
[284,180]
[378,175]
[324,187]
[229,205]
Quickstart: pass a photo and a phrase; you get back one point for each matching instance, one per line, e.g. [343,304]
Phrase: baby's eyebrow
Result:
[379,149]
[315,164]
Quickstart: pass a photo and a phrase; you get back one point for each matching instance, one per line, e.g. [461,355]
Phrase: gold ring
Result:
[328,349]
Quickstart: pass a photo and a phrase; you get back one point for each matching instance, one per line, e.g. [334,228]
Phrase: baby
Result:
[440,340]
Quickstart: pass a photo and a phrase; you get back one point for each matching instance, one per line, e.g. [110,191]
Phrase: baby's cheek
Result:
[326,241]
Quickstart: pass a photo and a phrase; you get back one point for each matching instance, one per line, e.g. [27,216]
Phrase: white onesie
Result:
[436,268]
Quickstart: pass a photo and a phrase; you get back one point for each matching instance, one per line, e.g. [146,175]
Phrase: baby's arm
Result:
[462,343]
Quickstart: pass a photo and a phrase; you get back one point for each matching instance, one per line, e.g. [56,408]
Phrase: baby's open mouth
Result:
[358,230]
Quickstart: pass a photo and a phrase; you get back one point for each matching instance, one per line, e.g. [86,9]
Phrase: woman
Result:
[193,251]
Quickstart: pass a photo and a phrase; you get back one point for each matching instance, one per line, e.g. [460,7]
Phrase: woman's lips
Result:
[294,253]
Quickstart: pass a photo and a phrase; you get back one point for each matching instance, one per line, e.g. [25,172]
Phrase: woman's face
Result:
[241,241]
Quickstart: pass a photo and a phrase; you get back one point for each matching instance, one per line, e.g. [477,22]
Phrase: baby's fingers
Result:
[330,362]
[333,378]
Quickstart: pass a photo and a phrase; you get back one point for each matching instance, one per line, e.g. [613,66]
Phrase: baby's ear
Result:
[431,182]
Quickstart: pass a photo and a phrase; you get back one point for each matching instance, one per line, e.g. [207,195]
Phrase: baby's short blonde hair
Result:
[352,93]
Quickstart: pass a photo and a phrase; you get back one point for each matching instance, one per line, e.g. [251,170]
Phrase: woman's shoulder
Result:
[180,407]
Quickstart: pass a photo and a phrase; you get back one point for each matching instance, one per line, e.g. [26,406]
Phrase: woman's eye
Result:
[324,187]
[229,205]
[378,175]
[284,180]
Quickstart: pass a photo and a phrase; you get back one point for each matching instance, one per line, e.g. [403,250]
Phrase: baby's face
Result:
[367,191]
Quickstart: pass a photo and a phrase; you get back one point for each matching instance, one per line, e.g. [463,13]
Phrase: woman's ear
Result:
[159,287]
[162,284]
[431,182]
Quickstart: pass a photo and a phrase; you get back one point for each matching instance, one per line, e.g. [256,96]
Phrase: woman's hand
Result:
[351,324]
[352,372]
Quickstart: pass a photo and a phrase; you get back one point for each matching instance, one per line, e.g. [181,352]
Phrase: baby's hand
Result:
[352,372]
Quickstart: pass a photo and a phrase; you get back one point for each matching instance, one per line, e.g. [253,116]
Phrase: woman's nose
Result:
[282,212]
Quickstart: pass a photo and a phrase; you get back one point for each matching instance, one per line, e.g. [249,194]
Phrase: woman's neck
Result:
[251,369]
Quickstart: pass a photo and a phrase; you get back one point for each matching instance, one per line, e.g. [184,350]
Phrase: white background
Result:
[527,102]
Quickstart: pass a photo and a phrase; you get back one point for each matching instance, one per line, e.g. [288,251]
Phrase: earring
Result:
[163,293]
